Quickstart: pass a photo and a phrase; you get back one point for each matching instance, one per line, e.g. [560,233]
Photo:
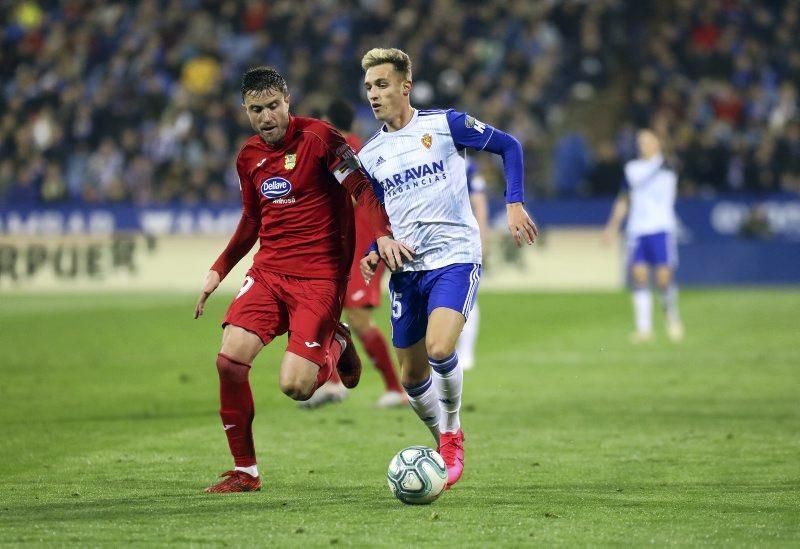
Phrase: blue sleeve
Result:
[472,133]
[376,187]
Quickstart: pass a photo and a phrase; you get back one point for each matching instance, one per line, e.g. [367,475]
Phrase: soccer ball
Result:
[417,474]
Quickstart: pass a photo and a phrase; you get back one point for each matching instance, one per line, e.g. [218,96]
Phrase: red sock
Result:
[236,409]
[378,350]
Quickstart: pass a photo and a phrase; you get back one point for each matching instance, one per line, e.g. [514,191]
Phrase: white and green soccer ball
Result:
[417,474]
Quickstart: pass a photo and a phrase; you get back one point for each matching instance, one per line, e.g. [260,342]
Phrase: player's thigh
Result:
[444,327]
[408,308]
[413,360]
[452,293]
[640,274]
[663,276]
[254,318]
[240,344]
[313,314]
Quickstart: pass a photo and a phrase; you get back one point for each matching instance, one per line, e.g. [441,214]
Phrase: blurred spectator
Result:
[605,178]
[756,224]
[572,164]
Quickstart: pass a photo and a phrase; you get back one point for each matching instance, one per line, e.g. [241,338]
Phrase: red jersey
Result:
[296,199]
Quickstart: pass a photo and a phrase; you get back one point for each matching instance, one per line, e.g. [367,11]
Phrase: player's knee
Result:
[439,350]
[232,370]
[296,390]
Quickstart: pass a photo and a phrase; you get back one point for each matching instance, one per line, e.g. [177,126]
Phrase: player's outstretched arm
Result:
[211,283]
[618,213]
[520,224]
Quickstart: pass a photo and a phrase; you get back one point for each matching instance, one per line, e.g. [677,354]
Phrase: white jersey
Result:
[423,177]
[652,187]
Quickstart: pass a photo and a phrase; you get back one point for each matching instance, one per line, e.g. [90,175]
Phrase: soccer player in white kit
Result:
[417,161]
[648,200]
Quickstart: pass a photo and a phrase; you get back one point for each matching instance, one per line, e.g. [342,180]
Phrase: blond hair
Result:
[398,58]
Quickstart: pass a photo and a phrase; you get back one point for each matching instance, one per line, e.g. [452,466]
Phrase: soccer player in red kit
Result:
[297,176]
[361,297]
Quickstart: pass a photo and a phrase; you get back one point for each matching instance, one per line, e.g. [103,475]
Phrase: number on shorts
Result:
[248,283]
[397,307]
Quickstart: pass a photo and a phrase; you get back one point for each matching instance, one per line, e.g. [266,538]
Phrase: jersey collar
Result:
[408,126]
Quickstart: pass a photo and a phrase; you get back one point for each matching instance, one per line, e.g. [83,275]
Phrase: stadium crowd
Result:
[719,80]
[138,102]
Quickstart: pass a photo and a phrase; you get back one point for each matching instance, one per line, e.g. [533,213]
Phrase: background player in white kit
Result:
[416,160]
[648,200]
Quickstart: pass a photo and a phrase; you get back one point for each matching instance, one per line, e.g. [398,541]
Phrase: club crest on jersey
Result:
[427,141]
[289,161]
[275,187]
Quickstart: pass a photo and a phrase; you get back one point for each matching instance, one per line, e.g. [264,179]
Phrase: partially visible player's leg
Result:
[317,340]
[465,348]
[666,260]
[299,376]
[669,298]
[642,302]
[239,348]
[409,323]
[450,301]
[638,255]
[416,378]
[252,321]
[377,348]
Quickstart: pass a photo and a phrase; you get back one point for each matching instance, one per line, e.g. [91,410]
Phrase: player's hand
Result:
[368,265]
[394,253]
[211,283]
[520,224]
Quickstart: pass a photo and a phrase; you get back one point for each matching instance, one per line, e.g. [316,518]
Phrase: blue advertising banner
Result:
[743,240]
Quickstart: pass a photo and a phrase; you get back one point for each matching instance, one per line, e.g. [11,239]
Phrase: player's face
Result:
[648,144]
[387,91]
[268,112]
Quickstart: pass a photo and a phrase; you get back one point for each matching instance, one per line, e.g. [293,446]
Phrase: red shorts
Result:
[360,294]
[271,304]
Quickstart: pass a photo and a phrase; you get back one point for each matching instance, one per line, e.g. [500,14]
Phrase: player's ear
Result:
[407,87]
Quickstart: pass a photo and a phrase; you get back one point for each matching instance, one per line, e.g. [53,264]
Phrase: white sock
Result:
[643,310]
[669,299]
[252,470]
[465,348]
[448,377]
[424,399]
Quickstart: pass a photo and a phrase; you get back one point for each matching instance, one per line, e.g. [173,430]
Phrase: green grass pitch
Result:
[574,437]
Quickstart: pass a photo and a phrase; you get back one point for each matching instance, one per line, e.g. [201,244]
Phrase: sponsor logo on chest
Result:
[275,187]
[413,177]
